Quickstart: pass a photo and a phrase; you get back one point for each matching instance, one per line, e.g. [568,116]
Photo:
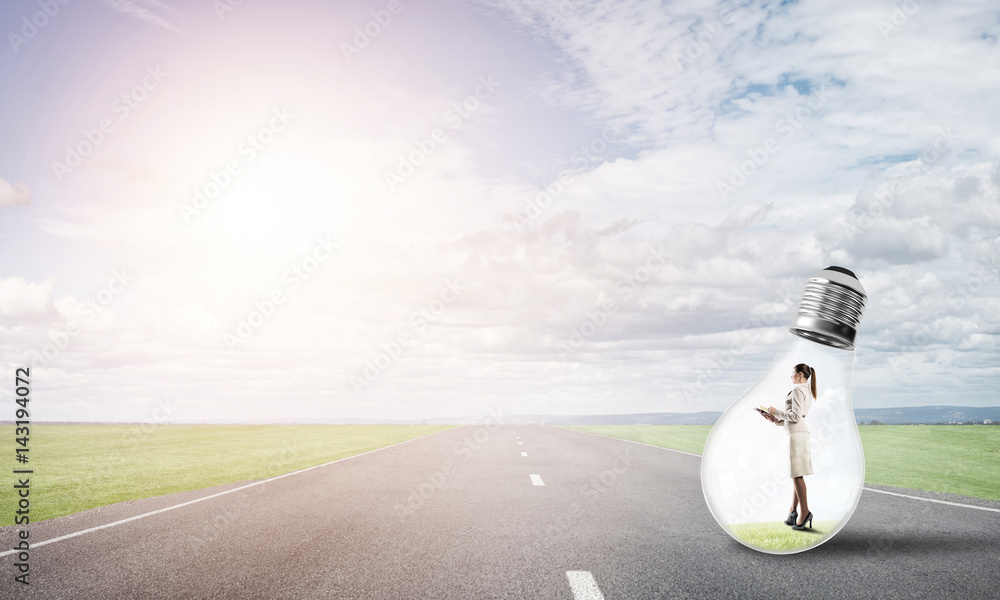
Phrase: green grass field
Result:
[84,466]
[959,459]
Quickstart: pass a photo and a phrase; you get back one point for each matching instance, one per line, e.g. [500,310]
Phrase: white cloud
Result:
[26,300]
[145,10]
[11,194]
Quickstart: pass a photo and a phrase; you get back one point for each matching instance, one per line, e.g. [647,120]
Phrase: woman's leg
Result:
[800,492]
[795,499]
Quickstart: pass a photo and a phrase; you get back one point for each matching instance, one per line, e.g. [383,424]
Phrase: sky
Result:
[309,211]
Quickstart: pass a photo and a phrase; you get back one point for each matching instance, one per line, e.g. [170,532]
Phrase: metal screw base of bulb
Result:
[830,308]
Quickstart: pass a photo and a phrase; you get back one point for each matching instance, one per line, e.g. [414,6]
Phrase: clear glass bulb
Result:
[745,468]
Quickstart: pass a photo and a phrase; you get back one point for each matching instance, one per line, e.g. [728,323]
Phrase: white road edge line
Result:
[242,487]
[864,487]
[583,585]
[932,500]
[536,479]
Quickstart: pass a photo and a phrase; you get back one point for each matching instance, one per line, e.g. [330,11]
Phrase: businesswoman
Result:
[797,405]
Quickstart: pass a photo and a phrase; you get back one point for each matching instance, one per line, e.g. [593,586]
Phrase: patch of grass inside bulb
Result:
[775,536]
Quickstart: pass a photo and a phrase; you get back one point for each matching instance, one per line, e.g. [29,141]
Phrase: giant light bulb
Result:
[745,468]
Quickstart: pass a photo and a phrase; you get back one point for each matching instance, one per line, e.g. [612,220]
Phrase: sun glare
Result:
[272,211]
[254,213]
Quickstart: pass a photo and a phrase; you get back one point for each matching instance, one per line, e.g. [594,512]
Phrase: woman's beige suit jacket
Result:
[798,403]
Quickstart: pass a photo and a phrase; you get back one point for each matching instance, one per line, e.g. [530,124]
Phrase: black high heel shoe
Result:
[792,517]
[808,517]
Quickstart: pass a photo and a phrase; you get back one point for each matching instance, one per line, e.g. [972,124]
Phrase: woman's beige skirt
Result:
[801,459]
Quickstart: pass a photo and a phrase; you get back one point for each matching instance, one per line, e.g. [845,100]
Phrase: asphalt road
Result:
[459,514]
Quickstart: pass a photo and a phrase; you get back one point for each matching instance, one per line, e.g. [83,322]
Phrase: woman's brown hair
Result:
[810,374]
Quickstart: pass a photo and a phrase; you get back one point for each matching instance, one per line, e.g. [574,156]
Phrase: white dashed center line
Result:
[519,443]
[583,585]
[524,454]
[536,479]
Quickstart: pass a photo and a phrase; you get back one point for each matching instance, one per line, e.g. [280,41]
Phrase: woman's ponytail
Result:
[810,374]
